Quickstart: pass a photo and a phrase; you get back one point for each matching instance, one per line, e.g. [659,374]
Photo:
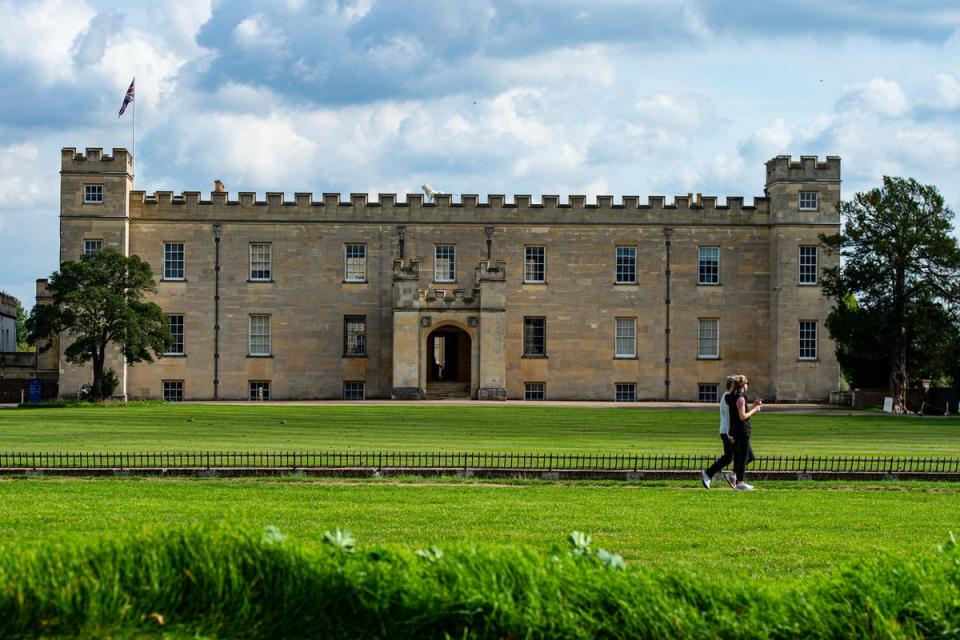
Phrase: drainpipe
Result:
[216,314]
[489,231]
[667,232]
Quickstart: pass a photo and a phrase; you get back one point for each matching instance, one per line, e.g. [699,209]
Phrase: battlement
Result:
[94,161]
[807,168]
[8,305]
[359,201]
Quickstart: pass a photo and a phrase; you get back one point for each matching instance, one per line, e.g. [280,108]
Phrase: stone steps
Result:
[447,390]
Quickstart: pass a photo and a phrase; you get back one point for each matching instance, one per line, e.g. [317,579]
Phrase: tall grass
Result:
[230,582]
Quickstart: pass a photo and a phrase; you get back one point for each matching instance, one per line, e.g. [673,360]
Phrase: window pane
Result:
[808,340]
[175,324]
[709,265]
[626,265]
[260,335]
[534,391]
[808,265]
[92,246]
[355,263]
[534,336]
[445,268]
[260,390]
[708,393]
[173,390]
[626,337]
[626,392]
[355,335]
[708,339]
[93,193]
[534,264]
[808,199]
[173,261]
[260,261]
[354,390]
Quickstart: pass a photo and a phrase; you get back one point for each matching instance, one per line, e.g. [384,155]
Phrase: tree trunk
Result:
[898,370]
[99,356]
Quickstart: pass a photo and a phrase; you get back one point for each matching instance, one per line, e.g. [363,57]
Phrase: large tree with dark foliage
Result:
[897,288]
[98,300]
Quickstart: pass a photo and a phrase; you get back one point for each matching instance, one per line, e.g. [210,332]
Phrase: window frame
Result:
[800,265]
[700,338]
[169,390]
[632,323]
[268,334]
[451,263]
[528,322]
[169,261]
[704,268]
[87,241]
[89,190]
[702,390]
[530,392]
[816,200]
[350,276]
[258,384]
[620,275]
[363,389]
[170,325]
[808,339]
[269,262]
[542,264]
[620,391]
[347,320]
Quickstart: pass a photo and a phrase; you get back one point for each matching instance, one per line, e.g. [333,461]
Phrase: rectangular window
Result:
[354,390]
[173,261]
[808,340]
[534,391]
[355,263]
[709,270]
[260,390]
[707,392]
[173,390]
[535,336]
[626,265]
[626,338]
[626,392]
[445,266]
[259,335]
[809,200]
[355,336]
[93,193]
[534,264]
[261,261]
[92,246]
[175,324]
[808,265]
[708,334]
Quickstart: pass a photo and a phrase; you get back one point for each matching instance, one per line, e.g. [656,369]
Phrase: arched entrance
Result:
[448,362]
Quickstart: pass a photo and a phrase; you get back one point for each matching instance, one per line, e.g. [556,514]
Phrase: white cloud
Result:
[878,95]
[946,92]
[41,35]
[256,32]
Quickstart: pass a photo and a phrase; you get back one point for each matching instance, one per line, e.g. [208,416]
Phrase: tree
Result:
[901,267]
[98,300]
[23,339]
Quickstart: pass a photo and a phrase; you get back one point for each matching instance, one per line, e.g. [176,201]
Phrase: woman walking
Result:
[740,429]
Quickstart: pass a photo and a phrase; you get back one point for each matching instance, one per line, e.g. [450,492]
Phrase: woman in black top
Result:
[740,428]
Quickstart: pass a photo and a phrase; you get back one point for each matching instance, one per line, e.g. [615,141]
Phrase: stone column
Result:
[406,331]
[492,332]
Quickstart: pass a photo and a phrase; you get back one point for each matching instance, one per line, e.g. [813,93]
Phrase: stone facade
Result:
[548,268]
[8,323]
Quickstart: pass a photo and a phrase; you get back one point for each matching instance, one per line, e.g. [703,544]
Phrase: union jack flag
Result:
[127,99]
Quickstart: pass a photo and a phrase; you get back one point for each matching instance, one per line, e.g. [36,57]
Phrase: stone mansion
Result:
[347,298]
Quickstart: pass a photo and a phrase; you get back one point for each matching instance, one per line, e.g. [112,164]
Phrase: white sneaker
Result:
[705,479]
[743,486]
[731,479]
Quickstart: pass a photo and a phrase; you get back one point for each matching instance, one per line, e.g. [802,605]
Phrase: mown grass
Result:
[230,582]
[782,530]
[176,427]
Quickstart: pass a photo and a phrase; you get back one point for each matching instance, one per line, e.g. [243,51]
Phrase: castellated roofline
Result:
[93,159]
[274,200]
[806,168]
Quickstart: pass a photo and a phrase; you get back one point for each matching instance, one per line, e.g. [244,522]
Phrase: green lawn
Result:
[413,427]
[781,530]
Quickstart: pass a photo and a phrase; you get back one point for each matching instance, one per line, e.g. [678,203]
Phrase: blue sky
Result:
[644,97]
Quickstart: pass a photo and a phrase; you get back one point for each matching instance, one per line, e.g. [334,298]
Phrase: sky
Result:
[641,97]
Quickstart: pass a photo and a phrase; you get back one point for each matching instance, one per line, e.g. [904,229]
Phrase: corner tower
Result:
[94,214]
[804,199]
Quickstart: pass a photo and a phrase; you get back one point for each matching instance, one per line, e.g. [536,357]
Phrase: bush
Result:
[230,582]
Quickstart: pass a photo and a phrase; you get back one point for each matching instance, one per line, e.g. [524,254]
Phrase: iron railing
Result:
[461,460]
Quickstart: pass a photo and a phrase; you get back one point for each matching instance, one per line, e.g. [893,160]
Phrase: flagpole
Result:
[133,151]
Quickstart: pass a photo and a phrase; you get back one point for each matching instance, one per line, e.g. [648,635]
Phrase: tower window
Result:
[93,194]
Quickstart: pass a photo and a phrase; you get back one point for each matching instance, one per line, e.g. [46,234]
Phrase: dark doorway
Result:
[448,362]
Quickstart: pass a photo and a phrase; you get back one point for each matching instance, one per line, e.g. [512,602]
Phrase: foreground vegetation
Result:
[257,583]
[179,427]
[783,530]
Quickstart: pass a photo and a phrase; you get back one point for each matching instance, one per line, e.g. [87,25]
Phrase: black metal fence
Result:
[461,460]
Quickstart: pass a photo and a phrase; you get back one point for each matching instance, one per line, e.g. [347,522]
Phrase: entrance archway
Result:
[448,362]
